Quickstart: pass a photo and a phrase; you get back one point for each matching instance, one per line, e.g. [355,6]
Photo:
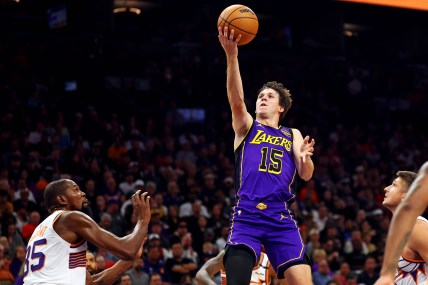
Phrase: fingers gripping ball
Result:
[241,19]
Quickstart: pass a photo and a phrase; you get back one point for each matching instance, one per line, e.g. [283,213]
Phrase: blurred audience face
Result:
[125,280]
[155,279]
[101,262]
[91,264]
[323,267]
[177,250]
[34,218]
[20,252]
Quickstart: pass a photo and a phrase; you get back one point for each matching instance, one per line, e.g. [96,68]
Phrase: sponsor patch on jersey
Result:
[285,132]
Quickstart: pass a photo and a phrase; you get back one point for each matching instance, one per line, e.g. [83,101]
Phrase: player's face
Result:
[91,265]
[394,193]
[267,104]
[76,198]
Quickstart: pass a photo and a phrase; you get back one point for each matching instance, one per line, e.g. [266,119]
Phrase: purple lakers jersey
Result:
[264,163]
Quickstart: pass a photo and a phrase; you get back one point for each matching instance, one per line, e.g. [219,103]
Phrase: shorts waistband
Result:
[263,205]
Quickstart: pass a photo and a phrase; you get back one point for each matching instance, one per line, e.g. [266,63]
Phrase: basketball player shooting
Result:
[268,157]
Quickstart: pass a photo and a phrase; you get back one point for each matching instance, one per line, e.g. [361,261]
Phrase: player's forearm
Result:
[135,240]
[306,169]
[110,275]
[235,91]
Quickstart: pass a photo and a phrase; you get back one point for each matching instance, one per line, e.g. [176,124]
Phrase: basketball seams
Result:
[239,7]
[230,24]
[239,21]
[224,20]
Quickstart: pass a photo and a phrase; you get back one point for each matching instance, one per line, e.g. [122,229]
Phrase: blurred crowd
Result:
[120,129]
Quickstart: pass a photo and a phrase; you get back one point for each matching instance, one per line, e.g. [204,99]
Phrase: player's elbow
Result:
[199,277]
[306,175]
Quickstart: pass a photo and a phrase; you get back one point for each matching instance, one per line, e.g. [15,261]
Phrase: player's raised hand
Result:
[307,148]
[141,204]
[229,45]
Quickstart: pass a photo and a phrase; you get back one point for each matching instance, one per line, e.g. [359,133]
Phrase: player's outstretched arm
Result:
[303,149]
[125,248]
[402,224]
[241,119]
[209,269]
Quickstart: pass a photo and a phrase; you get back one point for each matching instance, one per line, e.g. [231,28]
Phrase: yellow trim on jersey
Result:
[246,134]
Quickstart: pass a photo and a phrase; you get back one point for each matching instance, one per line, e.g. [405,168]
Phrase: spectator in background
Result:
[117,223]
[99,208]
[154,263]
[156,279]
[6,277]
[125,279]
[351,278]
[24,201]
[6,210]
[181,231]
[314,241]
[185,209]
[91,264]
[17,260]
[341,274]
[177,267]
[172,220]
[321,216]
[355,251]
[28,229]
[220,242]
[323,273]
[369,274]
[137,274]
[308,192]
[173,196]
[91,192]
[116,150]
[101,263]
[127,185]
[14,238]
[189,252]
[21,216]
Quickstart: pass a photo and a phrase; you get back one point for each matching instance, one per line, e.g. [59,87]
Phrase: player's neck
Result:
[268,122]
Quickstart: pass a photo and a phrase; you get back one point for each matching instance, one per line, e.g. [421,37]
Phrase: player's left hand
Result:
[307,148]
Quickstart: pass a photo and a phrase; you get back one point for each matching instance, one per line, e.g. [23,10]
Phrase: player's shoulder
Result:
[421,226]
[72,217]
[419,233]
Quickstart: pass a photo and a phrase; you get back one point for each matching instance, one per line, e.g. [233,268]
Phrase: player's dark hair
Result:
[285,100]
[407,176]
[53,190]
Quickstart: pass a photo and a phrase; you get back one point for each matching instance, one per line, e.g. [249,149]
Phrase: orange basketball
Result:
[241,19]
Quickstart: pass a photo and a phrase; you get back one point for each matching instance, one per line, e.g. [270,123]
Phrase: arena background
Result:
[358,75]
